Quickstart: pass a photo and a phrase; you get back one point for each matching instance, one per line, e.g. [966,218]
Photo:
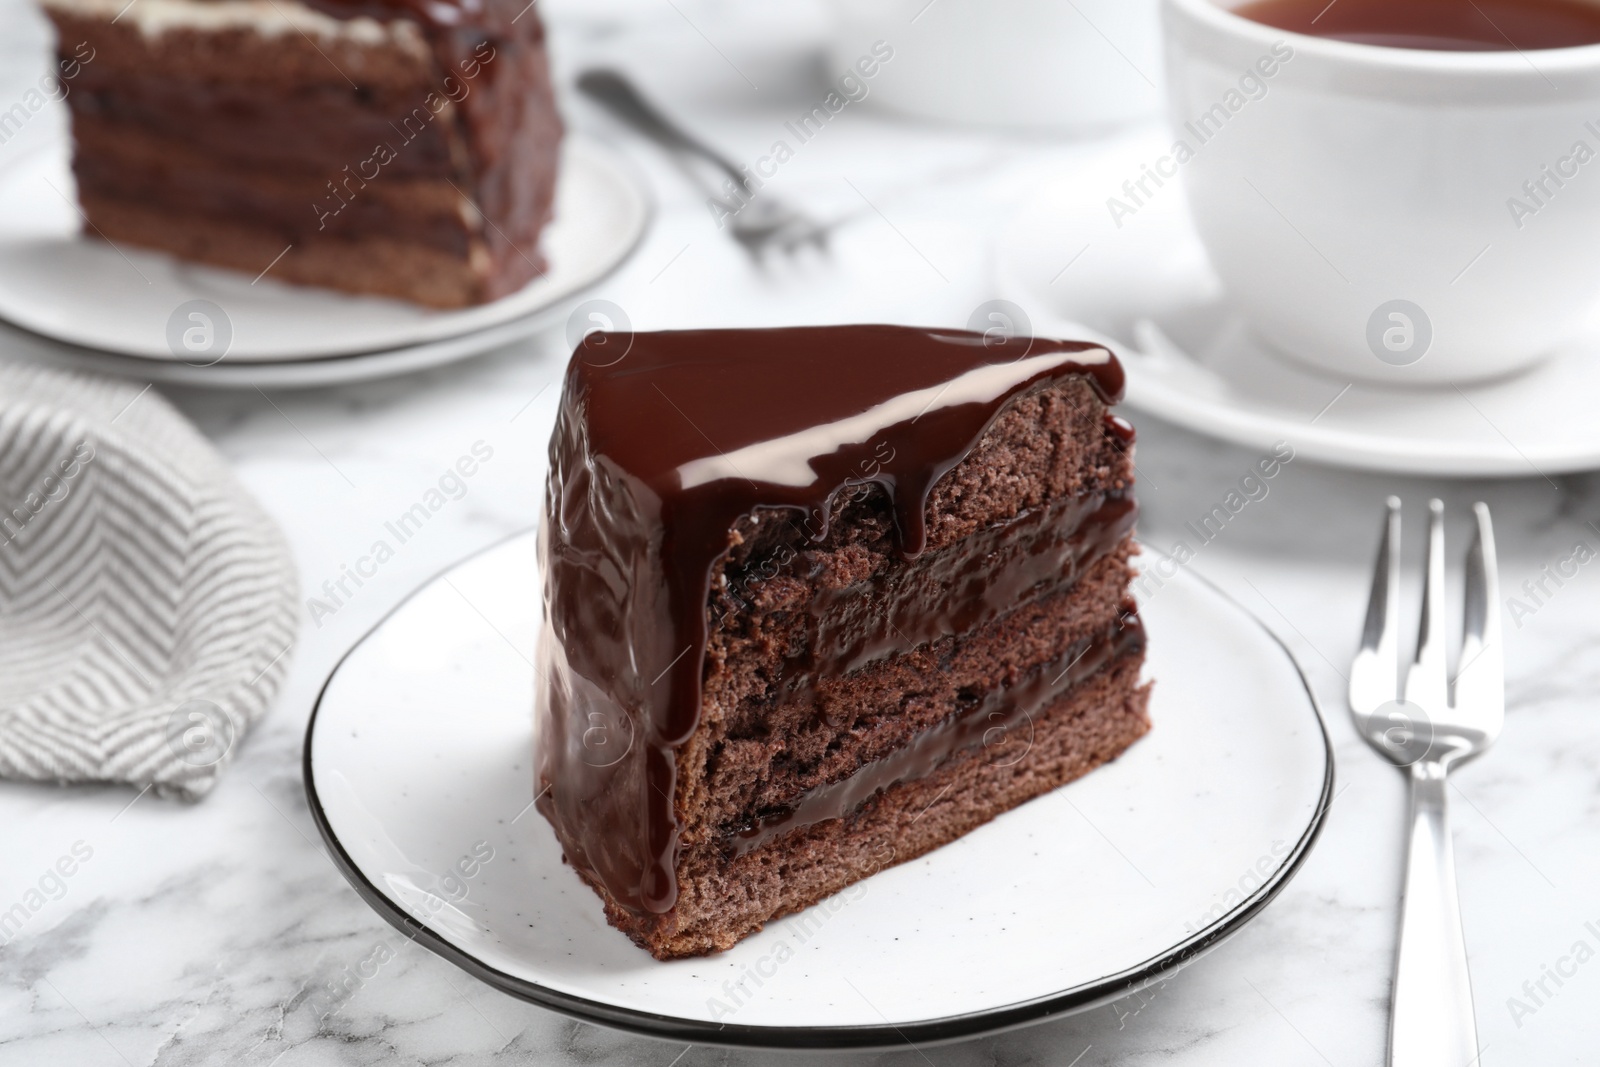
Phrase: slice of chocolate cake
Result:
[405,148]
[820,600]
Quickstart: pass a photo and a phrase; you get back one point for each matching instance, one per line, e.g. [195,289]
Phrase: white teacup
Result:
[1390,214]
[1044,64]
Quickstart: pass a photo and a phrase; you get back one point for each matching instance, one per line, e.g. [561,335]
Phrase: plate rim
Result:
[1105,990]
[313,373]
[246,371]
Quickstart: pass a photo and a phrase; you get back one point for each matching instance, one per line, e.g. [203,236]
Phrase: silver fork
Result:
[1428,731]
[759,220]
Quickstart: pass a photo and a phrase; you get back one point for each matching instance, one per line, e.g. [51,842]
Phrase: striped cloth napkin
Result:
[147,604]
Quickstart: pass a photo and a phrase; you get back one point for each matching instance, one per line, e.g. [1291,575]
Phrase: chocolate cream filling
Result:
[1003,712]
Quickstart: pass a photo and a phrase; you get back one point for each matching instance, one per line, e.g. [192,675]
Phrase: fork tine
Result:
[1375,673]
[1480,678]
[1428,681]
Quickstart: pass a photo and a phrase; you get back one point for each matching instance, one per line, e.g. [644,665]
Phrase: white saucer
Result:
[1148,289]
[417,768]
[64,286]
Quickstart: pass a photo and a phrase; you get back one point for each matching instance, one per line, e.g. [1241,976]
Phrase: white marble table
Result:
[198,934]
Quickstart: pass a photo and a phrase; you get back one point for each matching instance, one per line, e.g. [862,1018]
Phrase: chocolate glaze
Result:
[663,443]
[999,723]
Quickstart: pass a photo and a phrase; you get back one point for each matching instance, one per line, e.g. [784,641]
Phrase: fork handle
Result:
[621,97]
[1431,1022]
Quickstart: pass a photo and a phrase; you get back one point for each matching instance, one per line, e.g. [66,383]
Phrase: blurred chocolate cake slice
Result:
[819,600]
[405,148]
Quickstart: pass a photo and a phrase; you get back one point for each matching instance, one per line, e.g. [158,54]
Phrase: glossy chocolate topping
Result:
[664,442]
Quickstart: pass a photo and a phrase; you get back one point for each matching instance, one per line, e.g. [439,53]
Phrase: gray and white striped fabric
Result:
[148,605]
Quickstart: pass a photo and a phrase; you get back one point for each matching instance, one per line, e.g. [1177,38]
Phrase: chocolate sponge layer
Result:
[1046,452]
[832,657]
[723,899]
[771,755]
[377,265]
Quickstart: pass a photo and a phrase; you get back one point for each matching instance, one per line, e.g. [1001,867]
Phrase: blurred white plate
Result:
[1146,288]
[418,760]
[282,374]
[62,285]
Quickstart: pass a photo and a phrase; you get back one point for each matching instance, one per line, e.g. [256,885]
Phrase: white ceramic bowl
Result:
[1359,202]
[1022,63]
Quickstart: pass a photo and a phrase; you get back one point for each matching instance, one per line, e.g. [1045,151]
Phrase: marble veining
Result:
[220,933]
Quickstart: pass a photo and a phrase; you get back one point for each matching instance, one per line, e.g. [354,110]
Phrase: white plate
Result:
[61,285]
[418,754]
[287,374]
[1147,288]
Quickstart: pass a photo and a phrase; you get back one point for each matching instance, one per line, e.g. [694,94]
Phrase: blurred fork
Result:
[759,220]
[1424,728]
